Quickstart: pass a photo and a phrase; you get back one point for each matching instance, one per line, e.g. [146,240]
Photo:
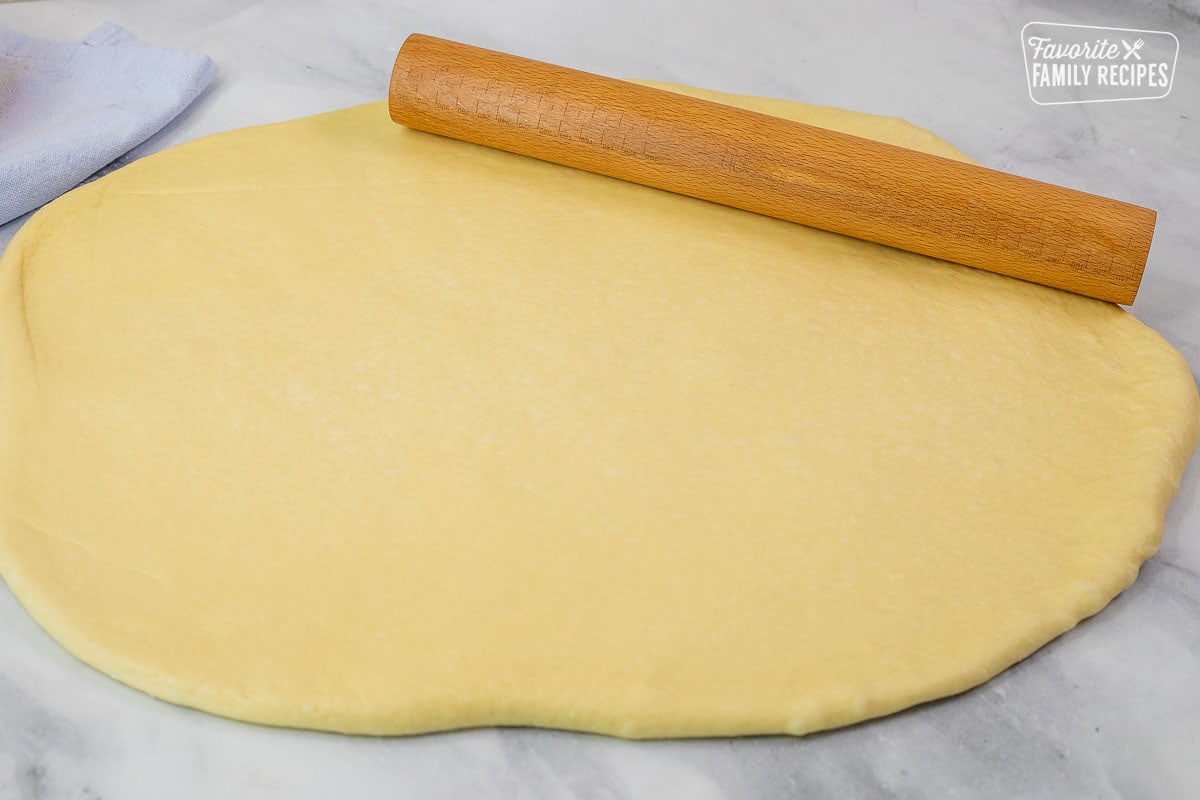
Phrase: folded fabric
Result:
[67,110]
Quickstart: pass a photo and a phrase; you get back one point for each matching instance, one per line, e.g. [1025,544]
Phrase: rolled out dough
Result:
[339,425]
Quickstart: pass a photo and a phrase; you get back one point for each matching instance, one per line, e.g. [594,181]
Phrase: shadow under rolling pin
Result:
[971,215]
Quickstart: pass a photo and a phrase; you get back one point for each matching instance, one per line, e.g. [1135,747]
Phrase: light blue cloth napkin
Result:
[67,110]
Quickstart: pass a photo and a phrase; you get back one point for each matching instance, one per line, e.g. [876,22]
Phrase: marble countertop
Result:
[1111,709]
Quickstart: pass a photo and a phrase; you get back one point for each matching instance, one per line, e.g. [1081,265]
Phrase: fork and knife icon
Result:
[1132,49]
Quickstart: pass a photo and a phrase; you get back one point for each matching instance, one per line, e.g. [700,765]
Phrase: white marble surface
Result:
[1111,709]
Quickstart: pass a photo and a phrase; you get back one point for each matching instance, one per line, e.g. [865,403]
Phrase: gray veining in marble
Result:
[1110,710]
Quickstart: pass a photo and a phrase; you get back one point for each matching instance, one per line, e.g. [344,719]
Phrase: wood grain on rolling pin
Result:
[959,212]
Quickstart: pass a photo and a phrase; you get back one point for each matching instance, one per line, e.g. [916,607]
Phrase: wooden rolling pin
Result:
[959,212]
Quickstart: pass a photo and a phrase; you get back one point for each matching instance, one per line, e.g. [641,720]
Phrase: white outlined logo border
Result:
[1029,78]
